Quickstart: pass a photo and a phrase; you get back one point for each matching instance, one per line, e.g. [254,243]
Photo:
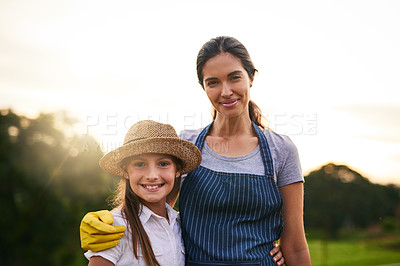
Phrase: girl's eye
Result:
[138,164]
[236,77]
[164,163]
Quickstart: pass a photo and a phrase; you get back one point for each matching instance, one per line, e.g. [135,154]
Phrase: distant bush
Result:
[388,224]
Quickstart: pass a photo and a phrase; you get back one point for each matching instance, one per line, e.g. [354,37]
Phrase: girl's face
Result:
[151,177]
[227,85]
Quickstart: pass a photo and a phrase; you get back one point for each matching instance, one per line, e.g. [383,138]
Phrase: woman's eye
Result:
[236,77]
[211,83]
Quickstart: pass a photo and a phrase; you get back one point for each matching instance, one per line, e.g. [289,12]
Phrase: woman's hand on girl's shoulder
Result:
[277,255]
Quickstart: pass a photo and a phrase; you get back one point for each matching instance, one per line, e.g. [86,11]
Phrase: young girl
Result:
[150,162]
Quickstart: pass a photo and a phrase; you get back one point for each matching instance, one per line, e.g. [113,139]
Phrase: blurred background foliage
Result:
[338,198]
[50,179]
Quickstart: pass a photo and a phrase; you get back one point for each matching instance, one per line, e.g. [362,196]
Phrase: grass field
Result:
[383,249]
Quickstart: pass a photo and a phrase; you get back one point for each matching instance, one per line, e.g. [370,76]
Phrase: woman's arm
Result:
[97,232]
[293,241]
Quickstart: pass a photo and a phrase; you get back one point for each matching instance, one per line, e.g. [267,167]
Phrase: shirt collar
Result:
[146,214]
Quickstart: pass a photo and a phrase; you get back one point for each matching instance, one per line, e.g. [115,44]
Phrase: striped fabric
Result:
[229,217]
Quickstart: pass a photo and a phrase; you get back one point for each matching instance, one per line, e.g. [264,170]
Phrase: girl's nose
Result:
[151,173]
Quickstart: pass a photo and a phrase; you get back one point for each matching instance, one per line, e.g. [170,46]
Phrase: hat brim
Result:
[186,151]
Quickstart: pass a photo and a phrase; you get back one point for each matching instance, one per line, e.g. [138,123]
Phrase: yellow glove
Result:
[97,233]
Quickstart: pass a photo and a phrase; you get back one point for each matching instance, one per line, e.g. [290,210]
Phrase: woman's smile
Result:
[227,85]
[229,103]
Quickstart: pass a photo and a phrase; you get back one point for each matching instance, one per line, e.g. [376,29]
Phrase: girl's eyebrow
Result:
[137,158]
[165,157]
[161,157]
[229,75]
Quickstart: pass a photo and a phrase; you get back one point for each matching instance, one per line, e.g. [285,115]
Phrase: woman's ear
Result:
[252,78]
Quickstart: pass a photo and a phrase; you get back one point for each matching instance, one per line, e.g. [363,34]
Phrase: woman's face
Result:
[152,177]
[227,85]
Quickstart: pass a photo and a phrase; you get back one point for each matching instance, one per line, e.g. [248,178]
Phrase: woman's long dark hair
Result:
[131,208]
[226,44]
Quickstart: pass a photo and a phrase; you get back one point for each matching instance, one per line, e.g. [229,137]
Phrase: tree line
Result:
[50,179]
[337,197]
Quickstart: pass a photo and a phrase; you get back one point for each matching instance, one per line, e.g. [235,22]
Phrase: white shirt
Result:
[166,240]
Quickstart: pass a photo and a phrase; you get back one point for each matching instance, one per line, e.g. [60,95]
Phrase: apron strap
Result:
[265,151]
[262,141]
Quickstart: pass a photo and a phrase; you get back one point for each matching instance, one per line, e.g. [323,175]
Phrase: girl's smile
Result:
[152,177]
[152,188]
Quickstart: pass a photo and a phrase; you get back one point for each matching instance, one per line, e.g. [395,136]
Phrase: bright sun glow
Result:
[327,70]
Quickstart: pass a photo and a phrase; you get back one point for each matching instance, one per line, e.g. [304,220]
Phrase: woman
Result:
[231,207]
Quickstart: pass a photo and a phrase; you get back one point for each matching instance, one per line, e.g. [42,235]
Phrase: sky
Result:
[328,70]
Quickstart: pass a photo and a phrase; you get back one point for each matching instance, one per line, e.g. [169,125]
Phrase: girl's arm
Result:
[99,261]
[293,241]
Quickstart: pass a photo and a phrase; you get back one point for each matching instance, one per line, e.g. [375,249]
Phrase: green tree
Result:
[49,181]
[337,197]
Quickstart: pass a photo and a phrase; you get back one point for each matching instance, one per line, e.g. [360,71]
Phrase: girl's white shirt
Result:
[166,240]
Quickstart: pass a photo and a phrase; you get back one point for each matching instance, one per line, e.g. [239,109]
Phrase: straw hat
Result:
[148,136]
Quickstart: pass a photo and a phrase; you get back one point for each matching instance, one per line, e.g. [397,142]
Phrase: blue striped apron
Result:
[229,218]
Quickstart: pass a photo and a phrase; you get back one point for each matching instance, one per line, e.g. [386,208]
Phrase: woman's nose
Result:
[226,90]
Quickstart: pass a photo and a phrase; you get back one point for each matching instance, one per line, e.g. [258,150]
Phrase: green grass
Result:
[362,250]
